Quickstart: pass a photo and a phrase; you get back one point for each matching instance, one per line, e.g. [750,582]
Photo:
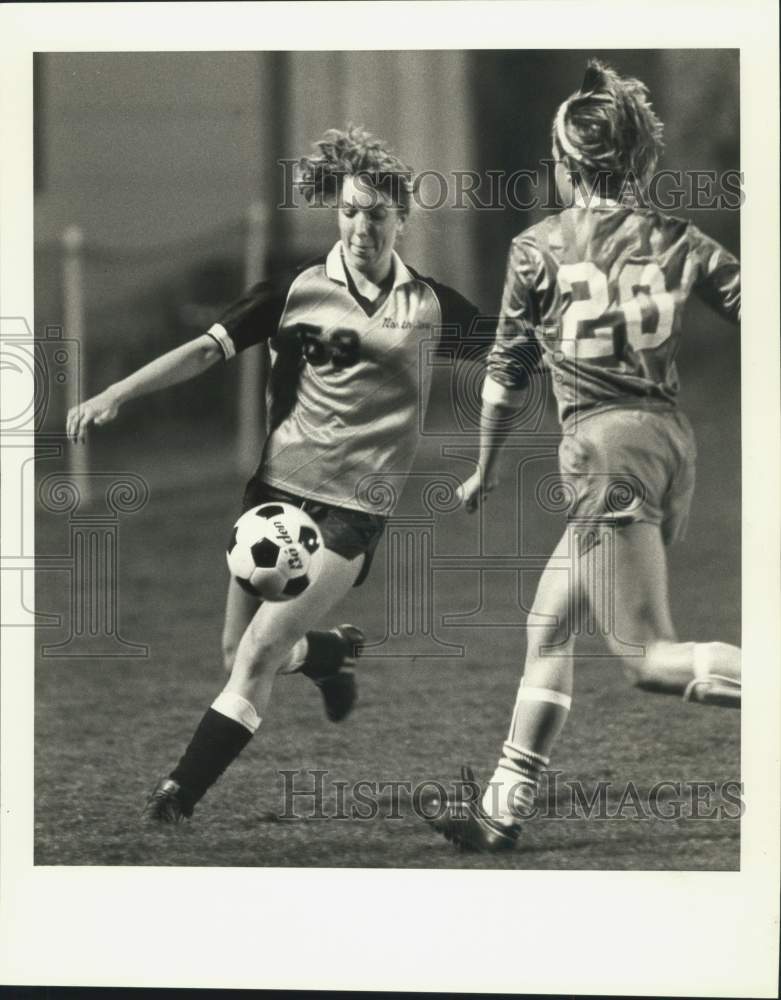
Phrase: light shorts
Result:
[624,465]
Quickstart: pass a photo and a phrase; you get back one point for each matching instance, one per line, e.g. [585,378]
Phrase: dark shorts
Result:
[349,533]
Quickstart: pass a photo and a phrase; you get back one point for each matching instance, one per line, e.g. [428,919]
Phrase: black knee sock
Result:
[216,743]
[325,655]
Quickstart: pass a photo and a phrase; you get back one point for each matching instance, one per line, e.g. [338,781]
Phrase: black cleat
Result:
[339,689]
[340,693]
[464,822]
[165,804]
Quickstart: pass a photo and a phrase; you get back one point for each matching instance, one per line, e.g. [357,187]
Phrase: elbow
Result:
[499,413]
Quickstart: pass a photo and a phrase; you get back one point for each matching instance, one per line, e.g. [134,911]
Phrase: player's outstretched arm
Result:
[178,365]
[495,424]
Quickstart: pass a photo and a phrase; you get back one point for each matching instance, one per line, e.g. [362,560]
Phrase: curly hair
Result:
[609,127]
[354,152]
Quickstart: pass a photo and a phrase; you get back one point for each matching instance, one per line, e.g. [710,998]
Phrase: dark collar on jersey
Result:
[369,306]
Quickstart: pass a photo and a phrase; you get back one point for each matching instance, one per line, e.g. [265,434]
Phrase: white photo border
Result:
[661,933]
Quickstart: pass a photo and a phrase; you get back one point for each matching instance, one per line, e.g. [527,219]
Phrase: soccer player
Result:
[596,292]
[346,392]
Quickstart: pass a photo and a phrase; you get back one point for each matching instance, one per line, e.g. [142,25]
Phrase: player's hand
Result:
[473,491]
[98,410]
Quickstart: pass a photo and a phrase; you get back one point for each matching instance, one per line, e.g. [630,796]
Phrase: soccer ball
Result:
[275,551]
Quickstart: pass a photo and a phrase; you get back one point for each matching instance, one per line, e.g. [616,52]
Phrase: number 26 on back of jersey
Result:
[594,327]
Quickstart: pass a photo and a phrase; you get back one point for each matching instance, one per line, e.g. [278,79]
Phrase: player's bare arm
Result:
[512,361]
[496,419]
[178,365]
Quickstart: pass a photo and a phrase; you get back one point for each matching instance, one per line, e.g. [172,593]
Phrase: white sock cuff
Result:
[233,706]
[701,660]
[508,797]
[506,773]
[545,694]
[511,749]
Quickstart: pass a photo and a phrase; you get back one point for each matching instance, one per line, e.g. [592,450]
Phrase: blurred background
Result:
[156,158]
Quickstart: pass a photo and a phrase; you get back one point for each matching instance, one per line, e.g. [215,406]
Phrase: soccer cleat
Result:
[339,689]
[464,822]
[714,690]
[165,804]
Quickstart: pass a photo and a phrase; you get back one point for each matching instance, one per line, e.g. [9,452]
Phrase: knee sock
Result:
[538,718]
[222,734]
[670,667]
[716,659]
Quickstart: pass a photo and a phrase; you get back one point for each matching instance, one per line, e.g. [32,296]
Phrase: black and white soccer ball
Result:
[275,551]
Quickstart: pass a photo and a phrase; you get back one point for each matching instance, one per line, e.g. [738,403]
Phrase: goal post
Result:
[254,363]
[75,328]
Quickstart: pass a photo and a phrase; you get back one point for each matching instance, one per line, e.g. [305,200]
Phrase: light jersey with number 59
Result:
[349,384]
[599,293]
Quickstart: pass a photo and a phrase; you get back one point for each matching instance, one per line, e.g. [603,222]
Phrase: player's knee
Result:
[644,663]
[263,652]
[639,641]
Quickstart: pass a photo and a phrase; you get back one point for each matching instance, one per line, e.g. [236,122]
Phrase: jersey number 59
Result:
[593,327]
[342,347]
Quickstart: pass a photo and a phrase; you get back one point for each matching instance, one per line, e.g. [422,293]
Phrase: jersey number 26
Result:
[593,327]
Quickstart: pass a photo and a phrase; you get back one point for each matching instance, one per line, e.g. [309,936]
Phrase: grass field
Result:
[106,729]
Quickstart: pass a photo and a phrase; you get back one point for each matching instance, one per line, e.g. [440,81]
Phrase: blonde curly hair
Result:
[608,127]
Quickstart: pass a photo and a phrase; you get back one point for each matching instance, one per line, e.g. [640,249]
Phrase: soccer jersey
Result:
[349,383]
[597,294]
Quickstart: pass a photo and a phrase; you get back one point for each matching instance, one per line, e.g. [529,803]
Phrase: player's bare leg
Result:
[622,579]
[236,713]
[326,657]
[539,714]
[264,649]
[233,717]
[631,569]
[240,609]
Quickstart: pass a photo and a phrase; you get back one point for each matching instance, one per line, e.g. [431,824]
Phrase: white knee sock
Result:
[716,659]
[538,718]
